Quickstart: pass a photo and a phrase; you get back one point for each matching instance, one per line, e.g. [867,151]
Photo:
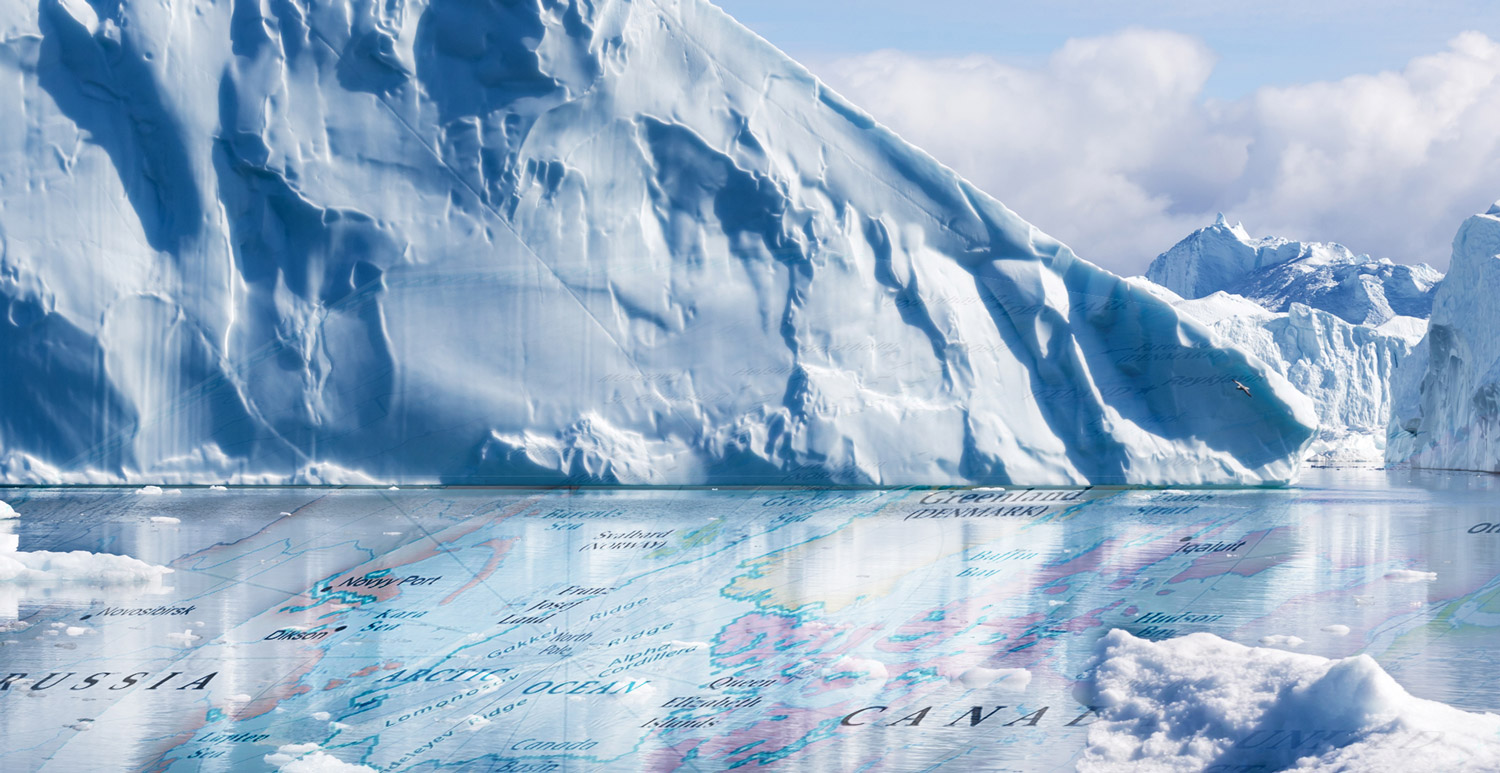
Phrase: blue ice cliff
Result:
[1446,413]
[1339,326]
[540,241]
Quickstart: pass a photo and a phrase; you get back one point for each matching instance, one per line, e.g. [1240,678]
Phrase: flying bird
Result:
[1242,388]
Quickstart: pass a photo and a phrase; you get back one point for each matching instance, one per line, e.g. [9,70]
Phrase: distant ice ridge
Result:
[525,242]
[1198,702]
[1447,409]
[1277,273]
[1346,369]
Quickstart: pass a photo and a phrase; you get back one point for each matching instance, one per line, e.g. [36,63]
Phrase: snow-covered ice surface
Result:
[1277,273]
[1199,703]
[1447,411]
[540,242]
[376,625]
[1348,370]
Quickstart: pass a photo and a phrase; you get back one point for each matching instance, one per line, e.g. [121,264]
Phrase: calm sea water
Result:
[511,630]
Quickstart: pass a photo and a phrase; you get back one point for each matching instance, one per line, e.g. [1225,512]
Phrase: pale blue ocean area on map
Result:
[700,629]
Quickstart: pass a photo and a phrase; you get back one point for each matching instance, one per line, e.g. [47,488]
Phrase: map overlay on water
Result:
[700,629]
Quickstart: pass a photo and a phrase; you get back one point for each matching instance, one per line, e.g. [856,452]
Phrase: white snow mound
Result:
[1198,702]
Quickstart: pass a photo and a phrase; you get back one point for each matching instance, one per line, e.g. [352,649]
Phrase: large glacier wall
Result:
[536,241]
[1349,371]
[1277,273]
[1447,411]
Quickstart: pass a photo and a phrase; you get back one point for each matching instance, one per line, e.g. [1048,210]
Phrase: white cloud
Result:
[1111,146]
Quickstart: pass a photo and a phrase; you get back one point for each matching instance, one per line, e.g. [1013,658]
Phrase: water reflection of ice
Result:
[775,614]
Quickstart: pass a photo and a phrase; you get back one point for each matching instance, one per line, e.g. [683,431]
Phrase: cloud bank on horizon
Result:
[1111,144]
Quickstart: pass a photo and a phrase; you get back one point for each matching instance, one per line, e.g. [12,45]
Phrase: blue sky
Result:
[1269,42]
[1120,126]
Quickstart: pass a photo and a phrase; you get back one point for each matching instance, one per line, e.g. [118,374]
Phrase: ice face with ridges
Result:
[533,242]
[1277,273]
[1347,370]
[1447,412]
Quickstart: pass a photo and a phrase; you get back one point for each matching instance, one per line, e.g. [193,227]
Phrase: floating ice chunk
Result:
[1410,575]
[310,758]
[393,488]
[149,490]
[1337,629]
[77,630]
[1016,679]
[6,511]
[218,488]
[1281,640]
[78,566]
[322,716]
[1198,702]
[186,638]
[165,519]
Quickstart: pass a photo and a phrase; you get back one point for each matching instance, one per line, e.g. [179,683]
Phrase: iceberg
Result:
[1277,273]
[539,243]
[1198,702]
[1447,403]
[1349,371]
